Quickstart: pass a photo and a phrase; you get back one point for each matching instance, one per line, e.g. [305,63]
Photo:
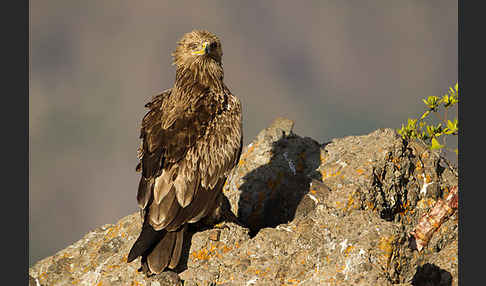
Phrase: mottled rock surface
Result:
[338,213]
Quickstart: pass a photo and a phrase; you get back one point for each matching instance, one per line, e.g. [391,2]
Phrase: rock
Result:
[338,213]
[274,173]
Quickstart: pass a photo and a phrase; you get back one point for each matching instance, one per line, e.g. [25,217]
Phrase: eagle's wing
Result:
[179,171]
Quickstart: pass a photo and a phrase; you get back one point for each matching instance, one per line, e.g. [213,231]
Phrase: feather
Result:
[176,253]
[160,215]
[200,200]
[151,163]
[145,241]
[144,191]
[160,256]
[163,184]
[202,210]
[185,187]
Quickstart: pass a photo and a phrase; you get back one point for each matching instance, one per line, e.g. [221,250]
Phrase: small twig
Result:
[445,117]
[437,115]
[445,124]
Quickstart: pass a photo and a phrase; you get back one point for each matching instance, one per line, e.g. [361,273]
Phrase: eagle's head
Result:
[198,58]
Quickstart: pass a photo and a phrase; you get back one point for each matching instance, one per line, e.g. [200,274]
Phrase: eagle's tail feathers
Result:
[159,257]
[145,242]
[176,253]
[159,249]
[167,252]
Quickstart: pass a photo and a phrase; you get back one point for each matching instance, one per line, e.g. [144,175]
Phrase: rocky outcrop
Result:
[338,213]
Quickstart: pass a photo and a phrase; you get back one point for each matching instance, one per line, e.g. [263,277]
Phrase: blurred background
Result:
[336,68]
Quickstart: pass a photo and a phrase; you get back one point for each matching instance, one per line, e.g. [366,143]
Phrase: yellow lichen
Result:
[242,162]
[202,254]
[323,157]
[250,149]
[425,203]
[386,245]
[405,209]
[352,203]
[340,268]
[243,157]
[370,205]
[226,249]
[348,250]
[290,282]
[445,192]
[112,232]
[419,166]
[333,172]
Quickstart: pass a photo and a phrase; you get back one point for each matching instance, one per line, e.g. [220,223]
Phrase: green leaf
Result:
[418,128]
[411,124]
[448,131]
[435,144]
[450,125]
[432,102]
[447,100]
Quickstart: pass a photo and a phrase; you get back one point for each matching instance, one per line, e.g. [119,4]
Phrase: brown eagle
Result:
[191,140]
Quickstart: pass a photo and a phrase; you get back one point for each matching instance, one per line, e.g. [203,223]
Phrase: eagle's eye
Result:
[213,45]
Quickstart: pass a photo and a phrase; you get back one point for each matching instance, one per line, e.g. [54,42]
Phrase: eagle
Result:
[191,138]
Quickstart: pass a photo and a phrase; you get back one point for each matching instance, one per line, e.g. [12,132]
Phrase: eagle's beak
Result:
[204,49]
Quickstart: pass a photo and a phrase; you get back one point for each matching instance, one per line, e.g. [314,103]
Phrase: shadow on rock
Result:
[431,275]
[271,192]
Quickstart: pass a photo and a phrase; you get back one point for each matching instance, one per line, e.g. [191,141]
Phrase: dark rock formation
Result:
[339,213]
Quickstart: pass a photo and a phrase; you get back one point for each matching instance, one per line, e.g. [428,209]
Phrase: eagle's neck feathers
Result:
[201,74]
